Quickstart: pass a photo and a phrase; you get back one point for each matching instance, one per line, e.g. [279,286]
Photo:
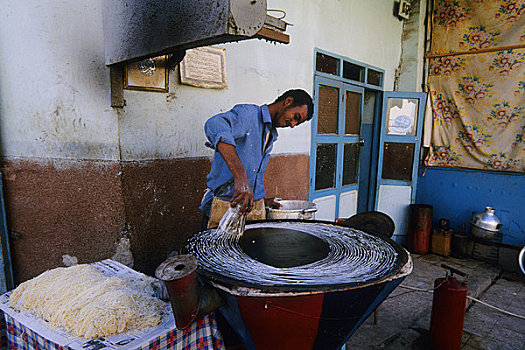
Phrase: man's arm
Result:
[243,193]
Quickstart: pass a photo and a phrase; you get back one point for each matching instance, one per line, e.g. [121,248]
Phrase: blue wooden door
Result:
[336,147]
[399,149]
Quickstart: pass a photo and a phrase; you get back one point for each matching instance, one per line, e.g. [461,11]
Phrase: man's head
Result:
[291,108]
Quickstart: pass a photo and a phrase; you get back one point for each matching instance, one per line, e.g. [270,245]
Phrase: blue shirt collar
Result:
[266,117]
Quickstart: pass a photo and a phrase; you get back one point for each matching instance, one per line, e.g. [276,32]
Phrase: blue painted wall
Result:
[456,194]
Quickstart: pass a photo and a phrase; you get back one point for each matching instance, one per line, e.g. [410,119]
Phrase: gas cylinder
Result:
[420,224]
[448,311]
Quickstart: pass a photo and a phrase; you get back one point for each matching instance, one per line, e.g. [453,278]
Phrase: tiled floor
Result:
[486,328]
[404,318]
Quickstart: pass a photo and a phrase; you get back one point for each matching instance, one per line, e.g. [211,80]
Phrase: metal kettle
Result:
[485,225]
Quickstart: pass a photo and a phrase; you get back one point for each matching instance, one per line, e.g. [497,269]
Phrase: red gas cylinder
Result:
[448,312]
[420,224]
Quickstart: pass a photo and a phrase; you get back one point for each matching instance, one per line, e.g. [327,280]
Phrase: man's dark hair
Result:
[300,98]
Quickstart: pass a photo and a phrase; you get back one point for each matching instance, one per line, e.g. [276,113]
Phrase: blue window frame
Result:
[370,77]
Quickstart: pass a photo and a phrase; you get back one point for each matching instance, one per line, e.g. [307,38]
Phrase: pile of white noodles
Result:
[88,303]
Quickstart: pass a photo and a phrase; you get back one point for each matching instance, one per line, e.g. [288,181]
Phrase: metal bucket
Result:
[292,209]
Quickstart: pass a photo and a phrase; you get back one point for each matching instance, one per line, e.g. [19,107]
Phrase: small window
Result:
[353,71]
[374,77]
[326,64]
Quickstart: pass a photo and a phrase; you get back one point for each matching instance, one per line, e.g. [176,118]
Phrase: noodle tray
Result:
[25,330]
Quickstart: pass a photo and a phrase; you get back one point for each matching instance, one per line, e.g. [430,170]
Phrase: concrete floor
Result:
[404,317]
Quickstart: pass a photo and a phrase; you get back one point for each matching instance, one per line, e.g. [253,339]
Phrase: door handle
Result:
[361,142]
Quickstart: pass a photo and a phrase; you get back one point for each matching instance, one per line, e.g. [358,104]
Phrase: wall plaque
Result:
[204,67]
[147,75]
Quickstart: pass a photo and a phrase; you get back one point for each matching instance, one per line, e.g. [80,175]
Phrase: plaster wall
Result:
[54,87]
[409,75]
[76,170]
[165,126]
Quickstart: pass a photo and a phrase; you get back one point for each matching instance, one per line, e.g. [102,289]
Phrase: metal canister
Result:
[179,276]
[485,225]
[442,238]
[419,227]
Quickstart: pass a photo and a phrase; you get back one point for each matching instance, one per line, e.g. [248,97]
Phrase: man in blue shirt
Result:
[243,139]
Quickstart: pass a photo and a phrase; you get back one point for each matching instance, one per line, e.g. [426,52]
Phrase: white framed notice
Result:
[204,67]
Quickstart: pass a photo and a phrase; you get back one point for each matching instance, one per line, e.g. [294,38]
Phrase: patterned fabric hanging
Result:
[477,84]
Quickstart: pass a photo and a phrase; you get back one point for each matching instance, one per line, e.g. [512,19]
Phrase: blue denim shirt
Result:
[245,127]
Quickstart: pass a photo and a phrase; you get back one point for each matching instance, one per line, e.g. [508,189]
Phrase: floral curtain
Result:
[477,85]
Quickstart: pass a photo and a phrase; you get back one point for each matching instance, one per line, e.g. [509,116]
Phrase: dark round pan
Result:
[373,222]
[290,249]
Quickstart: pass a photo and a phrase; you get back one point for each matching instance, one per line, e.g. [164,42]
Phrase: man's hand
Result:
[243,196]
[243,192]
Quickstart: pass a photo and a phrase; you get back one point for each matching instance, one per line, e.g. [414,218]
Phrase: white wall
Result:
[54,87]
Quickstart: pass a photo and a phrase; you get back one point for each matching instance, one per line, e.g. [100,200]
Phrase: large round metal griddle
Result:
[283,256]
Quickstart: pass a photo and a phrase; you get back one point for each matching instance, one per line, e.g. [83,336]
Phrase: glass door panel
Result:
[352,113]
[402,116]
[328,110]
[398,159]
[325,166]
[350,163]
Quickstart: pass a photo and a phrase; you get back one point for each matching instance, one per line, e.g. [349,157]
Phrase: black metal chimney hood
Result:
[138,29]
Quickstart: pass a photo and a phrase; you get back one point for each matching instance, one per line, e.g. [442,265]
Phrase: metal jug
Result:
[485,225]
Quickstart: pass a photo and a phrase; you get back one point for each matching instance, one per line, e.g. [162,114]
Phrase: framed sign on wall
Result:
[204,67]
[150,74]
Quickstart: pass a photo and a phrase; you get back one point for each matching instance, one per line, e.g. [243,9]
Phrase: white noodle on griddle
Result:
[354,257]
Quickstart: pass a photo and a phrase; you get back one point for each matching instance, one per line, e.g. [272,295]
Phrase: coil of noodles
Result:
[89,304]
[350,257]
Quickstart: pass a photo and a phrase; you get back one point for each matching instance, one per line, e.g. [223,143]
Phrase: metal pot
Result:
[485,225]
[292,209]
